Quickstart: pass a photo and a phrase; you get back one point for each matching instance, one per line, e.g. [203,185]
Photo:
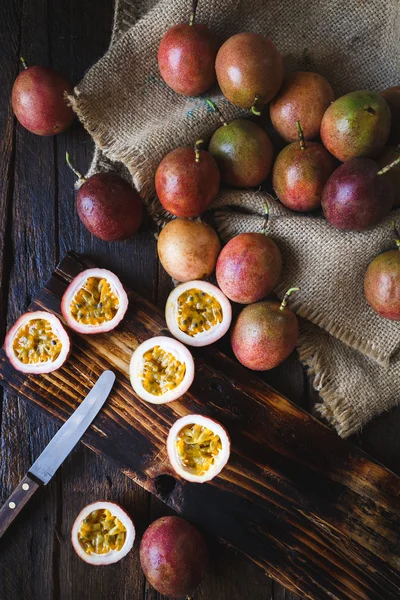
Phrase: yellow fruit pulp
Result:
[95,303]
[198,311]
[101,532]
[197,448]
[36,342]
[162,372]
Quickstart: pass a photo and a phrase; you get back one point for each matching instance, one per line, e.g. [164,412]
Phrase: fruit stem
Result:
[301,136]
[266,210]
[254,108]
[287,295]
[23,62]
[197,150]
[216,110]
[389,166]
[193,13]
[397,234]
[80,177]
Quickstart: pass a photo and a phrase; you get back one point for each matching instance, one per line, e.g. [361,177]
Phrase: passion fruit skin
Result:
[389,154]
[38,101]
[392,97]
[109,207]
[174,556]
[188,249]
[263,335]
[382,285]
[186,188]
[248,267]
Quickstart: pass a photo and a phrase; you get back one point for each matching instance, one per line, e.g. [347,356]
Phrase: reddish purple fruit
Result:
[38,100]
[300,173]
[356,195]
[174,556]
[187,181]
[390,154]
[392,97]
[186,57]
[265,334]
[248,267]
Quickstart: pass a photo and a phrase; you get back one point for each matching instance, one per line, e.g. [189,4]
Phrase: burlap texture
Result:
[135,119]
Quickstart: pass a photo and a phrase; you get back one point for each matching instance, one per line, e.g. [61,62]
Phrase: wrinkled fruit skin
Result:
[355,197]
[38,101]
[356,125]
[389,154]
[304,97]
[263,336]
[248,64]
[392,97]
[188,249]
[109,207]
[248,267]
[186,59]
[299,176]
[184,187]
[382,285]
[243,152]
[174,556]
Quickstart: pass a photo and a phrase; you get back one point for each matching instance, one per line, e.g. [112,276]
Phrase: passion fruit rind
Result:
[161,370]
[198,448]
[102,533]
[94,302]
[37,343]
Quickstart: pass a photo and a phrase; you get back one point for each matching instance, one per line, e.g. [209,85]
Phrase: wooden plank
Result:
[312,510]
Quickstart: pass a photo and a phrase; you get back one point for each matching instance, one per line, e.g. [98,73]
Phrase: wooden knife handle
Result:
[20,496]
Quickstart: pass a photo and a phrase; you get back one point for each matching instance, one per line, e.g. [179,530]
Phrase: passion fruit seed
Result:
[197,447]
[162,372]
[101,532]
[198,311]
[36,342]
[94,303]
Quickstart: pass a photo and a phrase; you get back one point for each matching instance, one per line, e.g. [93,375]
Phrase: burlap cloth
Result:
[135,119]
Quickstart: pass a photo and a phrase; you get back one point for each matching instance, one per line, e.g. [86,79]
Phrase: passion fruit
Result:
[174,556]
[94,302]
[188,249]
[198,313]
[103,533]
[161,370]
[37,343]
[198,448]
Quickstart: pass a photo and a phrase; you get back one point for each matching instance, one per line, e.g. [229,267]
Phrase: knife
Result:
[57,449]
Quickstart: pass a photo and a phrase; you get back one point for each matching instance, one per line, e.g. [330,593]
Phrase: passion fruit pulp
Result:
[37,343]
[161,370]
[94,302]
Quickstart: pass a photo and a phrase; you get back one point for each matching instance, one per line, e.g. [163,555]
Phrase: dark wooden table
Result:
[38,224]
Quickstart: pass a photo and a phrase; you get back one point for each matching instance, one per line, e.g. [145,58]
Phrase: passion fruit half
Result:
[103,533]
[94,302]
[198,313]
[198,448]
[37,343]
[161,370]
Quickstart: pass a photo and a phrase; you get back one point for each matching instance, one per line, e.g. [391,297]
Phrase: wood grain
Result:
[310,509]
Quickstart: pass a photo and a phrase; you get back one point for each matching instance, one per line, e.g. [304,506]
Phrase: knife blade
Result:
[57,449]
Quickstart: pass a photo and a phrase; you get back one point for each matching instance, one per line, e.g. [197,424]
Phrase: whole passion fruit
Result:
[188,249]
[265,334]
[94,302]
[198,448]
[174,556]
[249,267]
[102,533]
[37,343]
[198,313]
[161,370]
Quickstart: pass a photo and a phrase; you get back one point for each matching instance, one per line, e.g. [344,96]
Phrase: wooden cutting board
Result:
[312,510]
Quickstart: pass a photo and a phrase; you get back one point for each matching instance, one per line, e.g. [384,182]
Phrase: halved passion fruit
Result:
[37,343]
[94,302]
[161,370]
[198,313]
[103,533]
[198,448]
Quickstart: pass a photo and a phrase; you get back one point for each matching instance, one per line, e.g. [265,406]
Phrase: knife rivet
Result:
[11,504]
[25,486]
